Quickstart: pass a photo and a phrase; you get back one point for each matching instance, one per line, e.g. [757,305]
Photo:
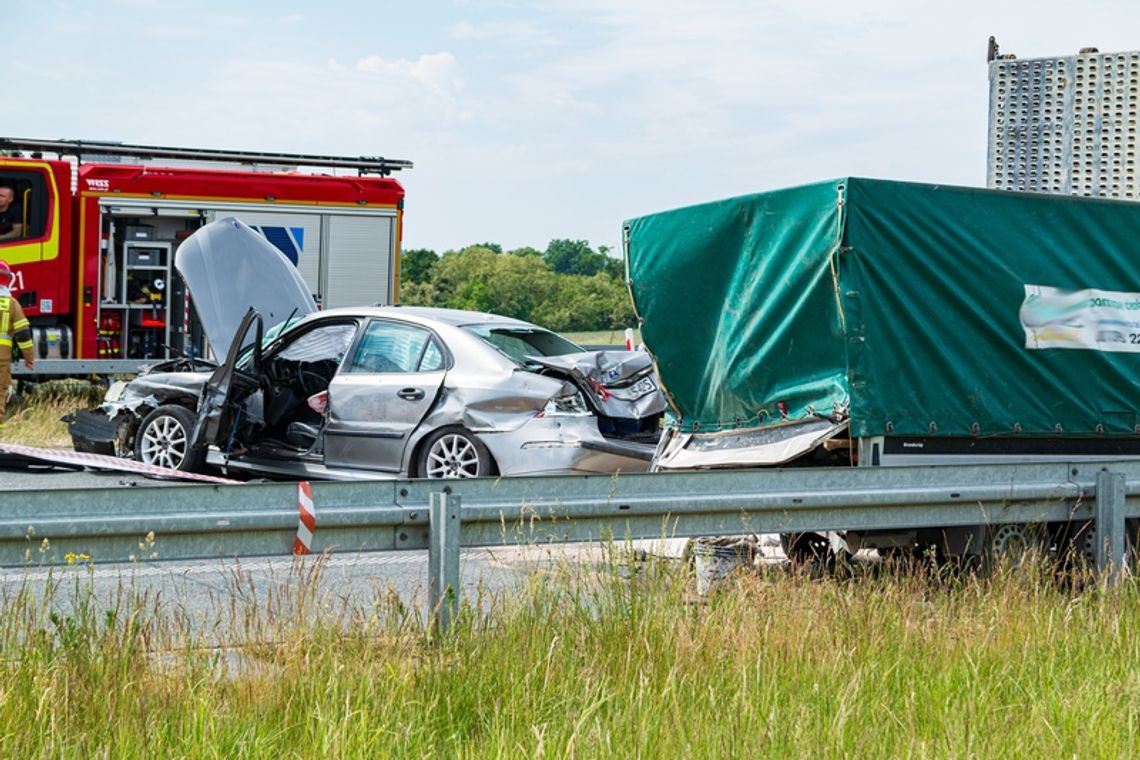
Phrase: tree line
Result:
[569,286]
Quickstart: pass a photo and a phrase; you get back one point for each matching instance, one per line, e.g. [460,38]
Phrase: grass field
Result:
[617,660]
[33,419]
[585,663]
[602,337]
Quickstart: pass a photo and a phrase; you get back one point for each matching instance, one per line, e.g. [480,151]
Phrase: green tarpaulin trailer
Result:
[878,322]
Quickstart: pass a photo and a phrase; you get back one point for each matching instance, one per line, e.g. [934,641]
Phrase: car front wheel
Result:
[454,453]
[163,439]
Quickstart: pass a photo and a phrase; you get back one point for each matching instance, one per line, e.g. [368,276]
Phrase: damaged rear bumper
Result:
[564,444]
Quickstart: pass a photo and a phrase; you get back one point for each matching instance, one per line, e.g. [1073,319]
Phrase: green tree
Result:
[586,303]
[521,284]
[573,257]
[419,294]
[455,269]
[416,265]
[478,279]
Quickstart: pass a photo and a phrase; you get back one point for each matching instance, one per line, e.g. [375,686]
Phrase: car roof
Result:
[454,317]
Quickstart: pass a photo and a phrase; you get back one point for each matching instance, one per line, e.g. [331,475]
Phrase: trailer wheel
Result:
[163,439]
[1013,545]
[1079,542]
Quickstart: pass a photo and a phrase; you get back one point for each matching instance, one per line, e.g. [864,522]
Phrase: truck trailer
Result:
[871,323]
[100,223]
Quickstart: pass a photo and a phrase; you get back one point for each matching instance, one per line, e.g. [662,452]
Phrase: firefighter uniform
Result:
[14,329]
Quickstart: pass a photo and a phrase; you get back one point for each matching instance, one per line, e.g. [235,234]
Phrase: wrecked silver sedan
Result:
[393,392]
[407,391]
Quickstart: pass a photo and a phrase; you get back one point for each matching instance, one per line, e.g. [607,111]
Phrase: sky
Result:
[534,121]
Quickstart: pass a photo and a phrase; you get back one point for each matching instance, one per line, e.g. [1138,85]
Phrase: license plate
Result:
[642,387]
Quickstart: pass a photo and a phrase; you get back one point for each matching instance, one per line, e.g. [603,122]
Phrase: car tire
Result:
[163,439]
[454,452]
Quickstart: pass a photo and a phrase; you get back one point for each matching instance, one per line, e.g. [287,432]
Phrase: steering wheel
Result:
[310,382]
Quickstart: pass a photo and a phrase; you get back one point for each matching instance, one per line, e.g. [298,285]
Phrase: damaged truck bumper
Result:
[746,448]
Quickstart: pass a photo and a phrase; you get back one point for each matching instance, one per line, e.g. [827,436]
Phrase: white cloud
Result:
[436,70]
[507,32]
[534,119]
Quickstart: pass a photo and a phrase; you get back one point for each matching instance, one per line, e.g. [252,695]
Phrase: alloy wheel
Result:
[164,443]
[453,456]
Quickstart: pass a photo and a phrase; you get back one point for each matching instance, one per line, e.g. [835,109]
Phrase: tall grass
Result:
[33,417]
[623,662]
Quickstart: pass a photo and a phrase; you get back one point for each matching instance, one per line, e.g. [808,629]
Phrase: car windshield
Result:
[518,343]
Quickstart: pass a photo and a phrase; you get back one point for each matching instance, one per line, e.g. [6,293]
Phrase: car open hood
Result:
[611,378]
[229,268]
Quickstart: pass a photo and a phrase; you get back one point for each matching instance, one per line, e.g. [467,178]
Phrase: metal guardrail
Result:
[51,367]
[259,519]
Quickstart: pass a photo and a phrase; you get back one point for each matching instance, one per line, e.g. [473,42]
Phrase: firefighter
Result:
[11,214]
[13,327]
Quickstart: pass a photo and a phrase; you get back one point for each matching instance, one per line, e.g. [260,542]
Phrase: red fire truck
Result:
[101,222]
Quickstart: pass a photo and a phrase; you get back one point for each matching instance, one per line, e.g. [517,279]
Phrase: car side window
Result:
[395,347]
[323,343]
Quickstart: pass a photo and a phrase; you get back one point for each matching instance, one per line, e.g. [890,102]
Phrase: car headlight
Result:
[568,404]
[115,392]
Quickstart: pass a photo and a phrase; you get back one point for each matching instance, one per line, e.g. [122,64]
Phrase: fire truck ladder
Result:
[77,148]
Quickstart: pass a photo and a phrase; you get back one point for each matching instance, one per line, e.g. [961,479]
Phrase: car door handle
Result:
[410,394]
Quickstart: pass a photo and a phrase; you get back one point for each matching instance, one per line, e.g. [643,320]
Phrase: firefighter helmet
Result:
[7,276]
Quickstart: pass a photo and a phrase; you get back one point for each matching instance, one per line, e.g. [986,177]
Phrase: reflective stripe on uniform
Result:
[21,330]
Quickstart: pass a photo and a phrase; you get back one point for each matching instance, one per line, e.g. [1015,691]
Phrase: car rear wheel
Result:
[163,439]
[454,453]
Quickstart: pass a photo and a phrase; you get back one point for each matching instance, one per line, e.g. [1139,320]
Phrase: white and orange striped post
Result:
[307,523]
[629,339]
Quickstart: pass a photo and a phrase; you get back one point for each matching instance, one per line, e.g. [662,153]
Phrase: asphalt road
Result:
[210,596]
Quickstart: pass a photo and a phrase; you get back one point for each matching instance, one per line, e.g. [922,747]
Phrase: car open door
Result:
[220,407]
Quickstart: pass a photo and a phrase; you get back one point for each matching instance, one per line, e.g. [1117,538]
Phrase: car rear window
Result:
[518,343]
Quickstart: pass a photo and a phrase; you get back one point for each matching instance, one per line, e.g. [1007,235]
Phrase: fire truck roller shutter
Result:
[358,269]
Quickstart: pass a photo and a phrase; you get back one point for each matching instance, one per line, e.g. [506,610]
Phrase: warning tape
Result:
[105,462]
[307,524]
